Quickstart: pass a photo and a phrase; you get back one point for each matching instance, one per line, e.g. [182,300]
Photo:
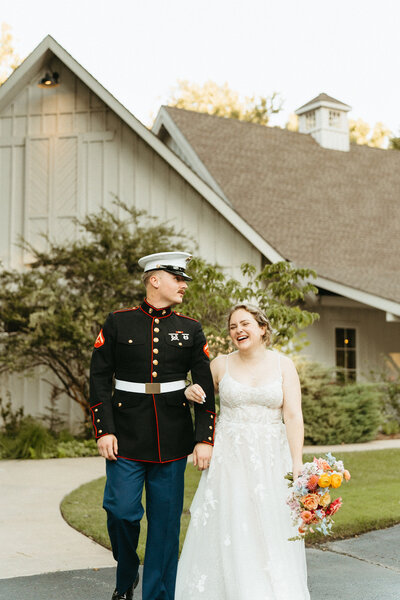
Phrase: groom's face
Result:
[171,288]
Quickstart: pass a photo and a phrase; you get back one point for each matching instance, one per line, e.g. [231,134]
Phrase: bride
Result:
[237,546]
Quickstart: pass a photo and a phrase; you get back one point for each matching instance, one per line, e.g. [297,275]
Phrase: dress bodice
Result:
[243,403]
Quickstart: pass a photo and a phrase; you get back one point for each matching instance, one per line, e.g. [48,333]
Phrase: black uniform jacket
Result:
[148,345]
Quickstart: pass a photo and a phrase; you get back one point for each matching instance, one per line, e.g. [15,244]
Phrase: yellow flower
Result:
[336,480]
[325,500]
[324,480]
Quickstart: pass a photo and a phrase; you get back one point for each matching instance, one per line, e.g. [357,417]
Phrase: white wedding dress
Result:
[237,546]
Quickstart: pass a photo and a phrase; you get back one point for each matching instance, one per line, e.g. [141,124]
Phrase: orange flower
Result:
[324,480]
[322,464]
[347,475]
[312,483]
[310,501]
[336,480]
[306,515]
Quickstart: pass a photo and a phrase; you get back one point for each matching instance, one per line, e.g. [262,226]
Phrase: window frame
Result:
[342,373]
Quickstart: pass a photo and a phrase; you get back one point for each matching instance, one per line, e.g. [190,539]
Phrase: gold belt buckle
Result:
[152,388]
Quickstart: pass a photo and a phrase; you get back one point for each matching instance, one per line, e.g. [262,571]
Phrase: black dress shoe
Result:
[128,595]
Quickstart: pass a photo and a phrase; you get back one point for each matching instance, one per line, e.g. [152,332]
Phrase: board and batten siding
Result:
[375,337]
[64,154]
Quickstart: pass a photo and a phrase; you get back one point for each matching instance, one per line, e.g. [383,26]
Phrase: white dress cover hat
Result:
[173,262]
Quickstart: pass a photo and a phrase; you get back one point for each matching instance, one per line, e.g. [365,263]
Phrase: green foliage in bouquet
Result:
[335,413]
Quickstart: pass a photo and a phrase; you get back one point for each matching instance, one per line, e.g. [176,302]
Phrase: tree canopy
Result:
[363,134]
[51,312]
[222,101]
[9,59]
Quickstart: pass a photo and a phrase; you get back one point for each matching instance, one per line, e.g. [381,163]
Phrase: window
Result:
[345,354]
[310,119]
[334,119]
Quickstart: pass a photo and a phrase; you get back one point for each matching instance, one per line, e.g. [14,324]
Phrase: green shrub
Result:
[334,413]
[25,437]
[12,419]
[75,448]
[32,441]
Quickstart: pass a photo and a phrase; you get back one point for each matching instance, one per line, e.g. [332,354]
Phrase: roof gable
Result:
[40,58]
[323,99]
[338,213]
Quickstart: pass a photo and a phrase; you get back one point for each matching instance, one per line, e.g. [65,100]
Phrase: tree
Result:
[220,100]
[9,59]
[51,313]
[394,143]
[362,134]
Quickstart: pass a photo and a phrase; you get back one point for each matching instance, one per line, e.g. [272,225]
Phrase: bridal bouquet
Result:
[309,498]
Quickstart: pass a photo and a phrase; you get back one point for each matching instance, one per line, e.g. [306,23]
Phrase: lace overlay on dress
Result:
[237,546]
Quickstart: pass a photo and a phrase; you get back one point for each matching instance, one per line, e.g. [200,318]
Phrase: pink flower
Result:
[306,516]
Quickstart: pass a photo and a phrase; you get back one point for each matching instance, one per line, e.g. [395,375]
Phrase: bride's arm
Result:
[218,366]
[292,413]
[195,392]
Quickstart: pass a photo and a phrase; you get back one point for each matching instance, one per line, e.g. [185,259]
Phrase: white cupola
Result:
[326,120]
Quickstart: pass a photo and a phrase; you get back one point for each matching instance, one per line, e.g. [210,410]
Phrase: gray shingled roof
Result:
[336,212]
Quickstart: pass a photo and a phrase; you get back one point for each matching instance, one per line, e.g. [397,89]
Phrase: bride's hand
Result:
[297,469]
[195,393]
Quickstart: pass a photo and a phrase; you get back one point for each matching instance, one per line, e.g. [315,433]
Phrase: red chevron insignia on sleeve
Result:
[99,340]
[206,350]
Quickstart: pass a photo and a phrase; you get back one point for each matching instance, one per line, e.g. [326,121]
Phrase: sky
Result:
[138,49]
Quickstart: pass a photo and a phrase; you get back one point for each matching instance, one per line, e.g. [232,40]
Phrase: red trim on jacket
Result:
[95,427]
[154,308]
[154,316]
[151,380]
[185,317]
[125,309]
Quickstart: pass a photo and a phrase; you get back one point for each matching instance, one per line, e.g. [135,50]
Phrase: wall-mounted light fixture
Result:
[49,80]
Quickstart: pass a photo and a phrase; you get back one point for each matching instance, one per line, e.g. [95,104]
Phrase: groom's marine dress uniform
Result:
[154,429]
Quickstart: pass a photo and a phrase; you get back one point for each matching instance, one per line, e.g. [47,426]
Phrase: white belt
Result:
[149,388]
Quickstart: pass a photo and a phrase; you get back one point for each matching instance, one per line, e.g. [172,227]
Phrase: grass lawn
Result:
[371,500]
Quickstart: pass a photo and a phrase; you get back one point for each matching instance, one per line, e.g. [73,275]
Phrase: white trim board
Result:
[165,120]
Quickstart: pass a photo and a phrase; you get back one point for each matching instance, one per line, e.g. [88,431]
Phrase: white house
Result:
[320,203]
[69,149]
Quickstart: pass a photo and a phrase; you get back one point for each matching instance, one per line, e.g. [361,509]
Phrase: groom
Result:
[144,428]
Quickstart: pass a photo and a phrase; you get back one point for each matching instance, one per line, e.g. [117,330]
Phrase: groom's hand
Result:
[202,455]
[108,446]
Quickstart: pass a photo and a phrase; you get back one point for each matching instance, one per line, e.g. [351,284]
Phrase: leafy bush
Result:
[24,437]
[12,419]
[337,414]
[75,448]
[32,441]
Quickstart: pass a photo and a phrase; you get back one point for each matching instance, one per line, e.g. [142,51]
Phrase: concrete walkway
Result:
[42,558]
[375,445]
[34,536]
